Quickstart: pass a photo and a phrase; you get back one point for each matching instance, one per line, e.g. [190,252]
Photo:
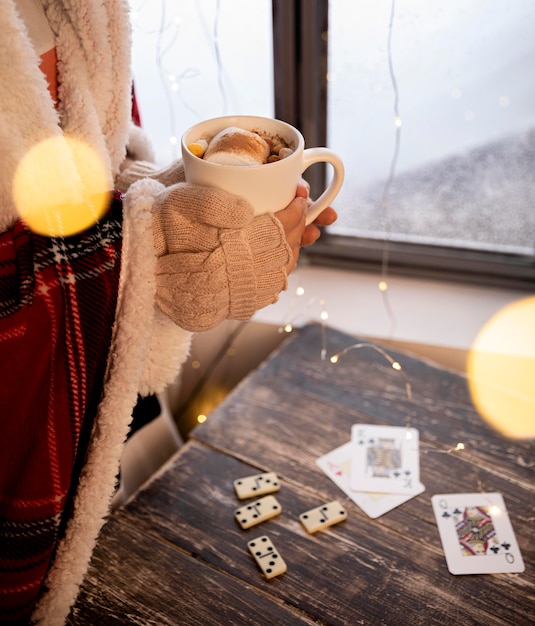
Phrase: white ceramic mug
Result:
[269,187]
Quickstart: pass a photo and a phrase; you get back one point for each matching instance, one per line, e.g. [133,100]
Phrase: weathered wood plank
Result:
[287,413]
[136,579]
[296,392]
[360,571]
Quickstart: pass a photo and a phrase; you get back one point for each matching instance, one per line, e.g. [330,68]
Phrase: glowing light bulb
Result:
[383,285]
[288,328]
[397,121]
[299,291]
[396,366]
[460,446]
[173,140]
[324,315]
[334,358]
[201,418]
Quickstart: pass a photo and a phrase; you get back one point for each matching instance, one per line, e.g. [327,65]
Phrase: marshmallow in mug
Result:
[237,146]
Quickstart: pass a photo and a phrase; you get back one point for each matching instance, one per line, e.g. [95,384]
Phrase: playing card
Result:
[476,533]
[337,466]
[385,459]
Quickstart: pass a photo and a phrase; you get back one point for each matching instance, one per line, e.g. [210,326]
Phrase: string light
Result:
[383,285]
[167,33]
[458,447]
[288,326]
[395,365]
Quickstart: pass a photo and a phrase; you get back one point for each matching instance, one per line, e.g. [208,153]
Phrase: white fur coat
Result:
[93,49]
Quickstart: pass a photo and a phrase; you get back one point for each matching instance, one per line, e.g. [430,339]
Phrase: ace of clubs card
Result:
[476,533]
[385,459]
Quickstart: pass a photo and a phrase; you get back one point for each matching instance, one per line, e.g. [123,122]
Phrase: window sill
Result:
[510,269]
[435,319]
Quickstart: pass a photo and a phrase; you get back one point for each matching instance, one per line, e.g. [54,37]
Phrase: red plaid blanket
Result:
[57,308]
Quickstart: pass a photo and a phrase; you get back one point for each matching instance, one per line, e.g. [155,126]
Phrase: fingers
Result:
[327,217]
[303,189]
[293,219]
[310,235]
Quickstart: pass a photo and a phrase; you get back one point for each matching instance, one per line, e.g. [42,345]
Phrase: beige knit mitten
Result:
[136,170]
[216,261]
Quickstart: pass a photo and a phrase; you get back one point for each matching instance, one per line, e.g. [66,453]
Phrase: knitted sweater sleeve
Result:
[215,260]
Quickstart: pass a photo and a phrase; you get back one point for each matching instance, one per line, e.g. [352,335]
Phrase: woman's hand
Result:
[293,220]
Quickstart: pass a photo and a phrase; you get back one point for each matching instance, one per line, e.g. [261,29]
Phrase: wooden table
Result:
[175,555]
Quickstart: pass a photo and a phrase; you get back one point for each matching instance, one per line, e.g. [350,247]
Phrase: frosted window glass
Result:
[464,74]
[197,59]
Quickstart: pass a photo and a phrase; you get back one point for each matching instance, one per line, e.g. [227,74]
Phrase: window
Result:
[448,192]
[432,107]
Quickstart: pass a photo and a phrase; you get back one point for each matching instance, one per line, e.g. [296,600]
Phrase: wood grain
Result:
[312,394]
[359,571]
[180,529]
[136,579]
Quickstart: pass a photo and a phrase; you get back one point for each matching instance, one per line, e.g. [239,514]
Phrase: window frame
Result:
[300,56]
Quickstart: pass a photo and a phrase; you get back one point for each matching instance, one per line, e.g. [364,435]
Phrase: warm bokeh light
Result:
[60,187]
[501,370]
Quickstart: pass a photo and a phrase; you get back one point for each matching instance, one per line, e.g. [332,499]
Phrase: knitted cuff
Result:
[271,253]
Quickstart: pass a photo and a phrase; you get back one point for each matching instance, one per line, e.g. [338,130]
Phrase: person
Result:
[92,316]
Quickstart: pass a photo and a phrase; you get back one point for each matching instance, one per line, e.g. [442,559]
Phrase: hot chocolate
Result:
[236,146]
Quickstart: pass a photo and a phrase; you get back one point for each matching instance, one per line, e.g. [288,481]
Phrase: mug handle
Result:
[323,155]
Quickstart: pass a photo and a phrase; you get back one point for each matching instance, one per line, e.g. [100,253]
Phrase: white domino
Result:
[323,516]
[267,557]
[258,511]
[256,485]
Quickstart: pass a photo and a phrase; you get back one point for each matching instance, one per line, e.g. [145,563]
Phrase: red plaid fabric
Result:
[57,308]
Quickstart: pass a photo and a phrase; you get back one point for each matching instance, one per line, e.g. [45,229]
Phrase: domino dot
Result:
[267,557]
[323,516]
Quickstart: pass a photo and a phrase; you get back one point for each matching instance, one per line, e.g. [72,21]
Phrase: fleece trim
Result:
[94,102]
[138,336]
